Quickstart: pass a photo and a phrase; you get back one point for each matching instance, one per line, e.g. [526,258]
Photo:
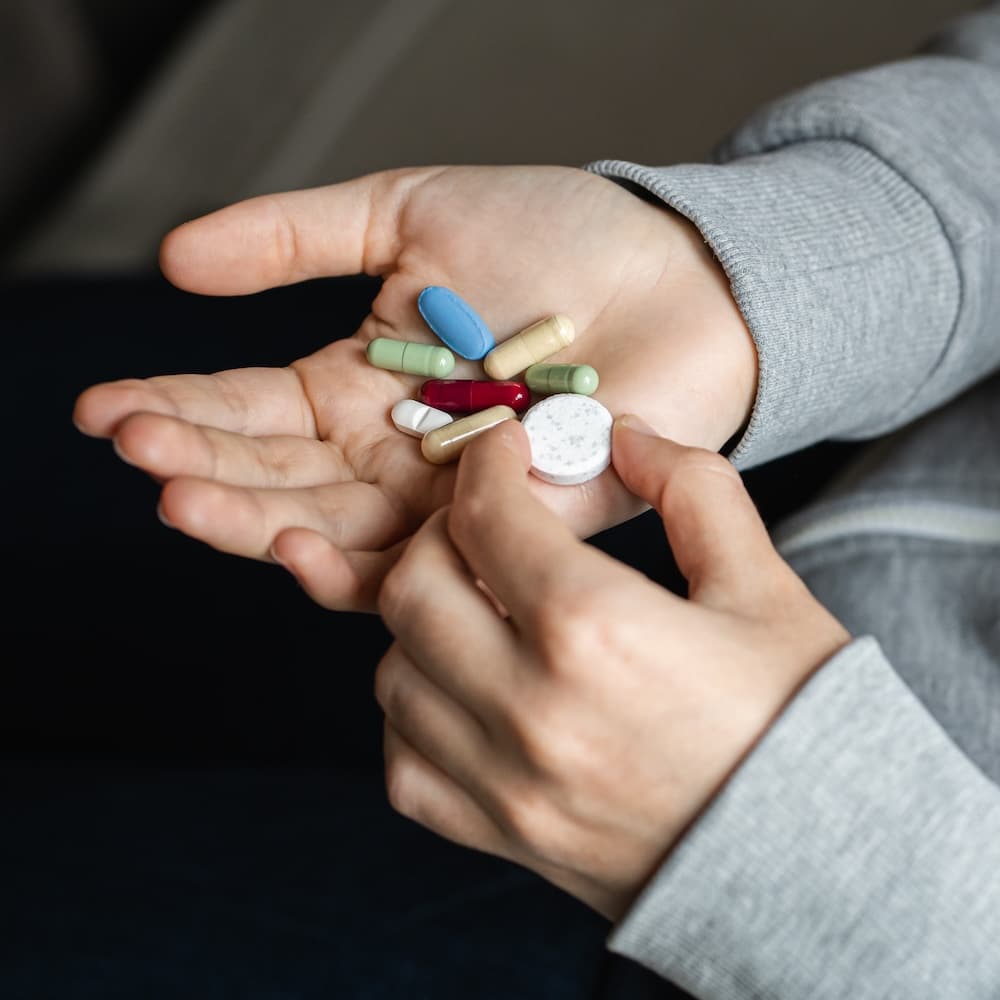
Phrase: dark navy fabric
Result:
[148,882]
[191,789]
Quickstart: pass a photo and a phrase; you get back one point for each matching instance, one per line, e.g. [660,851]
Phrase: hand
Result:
[550,705]
[249,457]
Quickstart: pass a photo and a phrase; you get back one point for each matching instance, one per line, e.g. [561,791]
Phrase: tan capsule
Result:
[533,344]
[444,444]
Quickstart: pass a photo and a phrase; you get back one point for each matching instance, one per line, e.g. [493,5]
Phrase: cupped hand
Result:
[247,458]
[550,705]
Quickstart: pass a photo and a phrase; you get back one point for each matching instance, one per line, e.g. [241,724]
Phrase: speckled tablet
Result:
[570,437]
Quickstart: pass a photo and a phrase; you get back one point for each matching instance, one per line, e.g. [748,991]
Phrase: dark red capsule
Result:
[467,395]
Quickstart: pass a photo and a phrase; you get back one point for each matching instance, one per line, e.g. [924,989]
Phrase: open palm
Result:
[303,464]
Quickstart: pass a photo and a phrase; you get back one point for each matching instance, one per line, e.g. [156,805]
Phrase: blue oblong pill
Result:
[455,322]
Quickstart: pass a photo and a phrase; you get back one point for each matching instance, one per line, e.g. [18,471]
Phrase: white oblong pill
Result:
[570,437]
[416,419]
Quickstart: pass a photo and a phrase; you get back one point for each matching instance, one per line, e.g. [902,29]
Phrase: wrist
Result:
[723,368]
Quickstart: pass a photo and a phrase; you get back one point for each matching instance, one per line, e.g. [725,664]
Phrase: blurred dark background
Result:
[120,119]
[70,70]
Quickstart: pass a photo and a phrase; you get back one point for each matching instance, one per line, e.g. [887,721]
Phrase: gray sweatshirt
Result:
[856,852]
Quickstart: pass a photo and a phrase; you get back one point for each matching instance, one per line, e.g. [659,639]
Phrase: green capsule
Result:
[410,357]
[543,378]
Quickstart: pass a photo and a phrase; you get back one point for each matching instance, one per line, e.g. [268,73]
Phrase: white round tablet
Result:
[570,436]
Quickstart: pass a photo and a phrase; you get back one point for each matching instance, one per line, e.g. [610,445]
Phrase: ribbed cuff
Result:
[843,275]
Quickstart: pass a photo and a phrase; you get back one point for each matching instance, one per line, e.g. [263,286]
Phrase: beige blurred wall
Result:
[264,95]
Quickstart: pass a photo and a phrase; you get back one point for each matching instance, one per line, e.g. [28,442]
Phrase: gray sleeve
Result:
[855,853]
[858,221]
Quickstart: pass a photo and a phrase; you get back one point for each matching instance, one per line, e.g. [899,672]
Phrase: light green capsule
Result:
[581,379]
[411,357]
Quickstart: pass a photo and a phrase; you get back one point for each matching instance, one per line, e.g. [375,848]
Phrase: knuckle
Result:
[284,240]
[406,592]
[526,816]
[400,787]
[531,735]
[471,512]
[536,827]
[395,695]
[569,623]
[392,597]
[546,740]
[385,686]
[698,462]
[695,470]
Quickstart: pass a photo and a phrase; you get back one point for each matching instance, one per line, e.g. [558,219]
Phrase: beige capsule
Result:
[533,344]
[444,444]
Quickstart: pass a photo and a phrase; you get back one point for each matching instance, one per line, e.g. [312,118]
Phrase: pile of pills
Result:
[568,430]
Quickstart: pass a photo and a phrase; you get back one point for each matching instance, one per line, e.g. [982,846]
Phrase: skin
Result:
[611,710]
[561,710]
[302,464]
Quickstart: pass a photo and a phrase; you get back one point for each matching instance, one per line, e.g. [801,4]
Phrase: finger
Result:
[245,521]
[439,727]
[334,578]
[510,539]
[447,623]
[279,239]
[715,532]
[166,447]
[425,794]
[250,401]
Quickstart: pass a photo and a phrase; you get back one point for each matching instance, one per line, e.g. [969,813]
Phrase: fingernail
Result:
[163,517]
[635,423]
[274,555]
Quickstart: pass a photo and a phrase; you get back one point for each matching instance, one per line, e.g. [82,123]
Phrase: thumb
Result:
[279,239]
[715,532]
